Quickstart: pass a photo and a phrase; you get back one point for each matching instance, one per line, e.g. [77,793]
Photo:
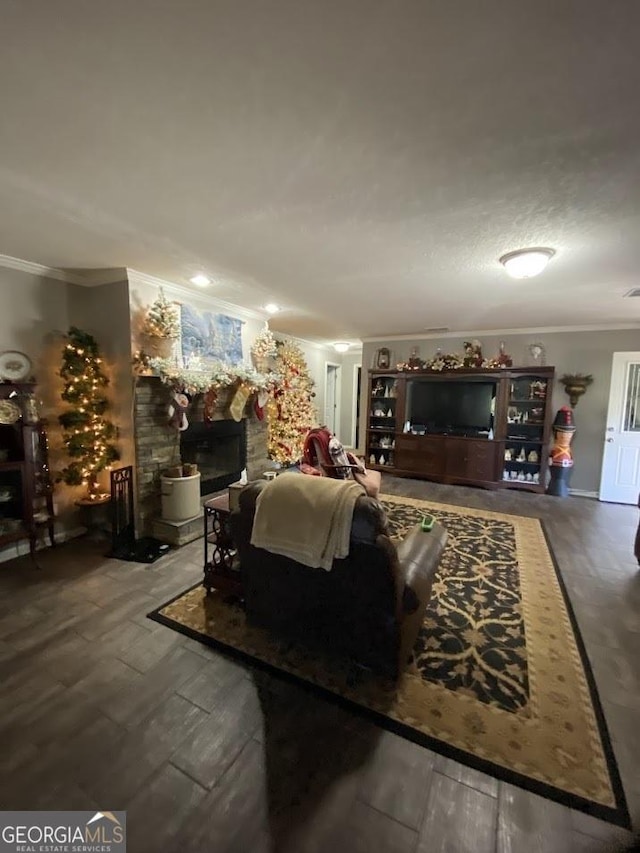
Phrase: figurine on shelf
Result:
[536,477]
[415,362]
[393,391]
[505,474]
[381,461]
[372,459]
[389,413]
[521,475]
[522,456]
[504,360]
[378,389]
[533,456]
[472,354]
[508,455]
[537,390]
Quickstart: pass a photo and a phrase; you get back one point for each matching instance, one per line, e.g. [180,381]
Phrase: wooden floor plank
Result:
[397,780]
[458,818]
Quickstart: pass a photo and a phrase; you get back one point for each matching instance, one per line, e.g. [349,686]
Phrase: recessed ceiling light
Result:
[200,280]
[525,263]
[271,308]
[341,346]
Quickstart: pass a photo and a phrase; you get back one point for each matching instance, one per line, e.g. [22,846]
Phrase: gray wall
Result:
[568,352]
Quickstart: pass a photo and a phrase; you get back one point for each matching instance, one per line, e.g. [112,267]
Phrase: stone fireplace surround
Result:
[157,445]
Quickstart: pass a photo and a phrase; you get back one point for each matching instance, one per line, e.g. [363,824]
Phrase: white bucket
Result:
[180,497]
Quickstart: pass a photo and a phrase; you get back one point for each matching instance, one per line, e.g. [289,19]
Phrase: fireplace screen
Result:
[219,450]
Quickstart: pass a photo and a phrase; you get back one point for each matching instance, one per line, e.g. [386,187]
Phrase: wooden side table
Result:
[221,565]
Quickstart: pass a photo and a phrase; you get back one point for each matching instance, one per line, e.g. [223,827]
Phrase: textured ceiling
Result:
[362,163]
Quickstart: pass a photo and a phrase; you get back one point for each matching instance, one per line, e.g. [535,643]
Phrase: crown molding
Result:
[484,333]
[137,277]
[354,349]
[36,269]
[89,278]
[320,345]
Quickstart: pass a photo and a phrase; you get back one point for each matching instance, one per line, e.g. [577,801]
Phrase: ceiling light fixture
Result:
[341,346]
[525,263]
[200,280]
[271,308]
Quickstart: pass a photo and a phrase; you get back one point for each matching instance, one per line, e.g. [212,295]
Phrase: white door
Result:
[331,398]
[620,479]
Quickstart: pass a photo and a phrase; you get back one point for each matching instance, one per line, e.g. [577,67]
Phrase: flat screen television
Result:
[455,407]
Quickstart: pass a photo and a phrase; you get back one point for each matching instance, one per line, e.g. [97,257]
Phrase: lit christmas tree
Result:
[290,410]
[87,433]
[162,320]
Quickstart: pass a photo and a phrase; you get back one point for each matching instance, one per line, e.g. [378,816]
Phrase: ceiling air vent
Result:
[635,291]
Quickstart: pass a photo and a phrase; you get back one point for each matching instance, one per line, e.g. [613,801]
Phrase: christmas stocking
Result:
[239,401]
[260,402]
[177,411]
[210,404]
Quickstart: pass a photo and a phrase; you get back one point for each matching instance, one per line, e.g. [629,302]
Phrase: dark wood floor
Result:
[102,708]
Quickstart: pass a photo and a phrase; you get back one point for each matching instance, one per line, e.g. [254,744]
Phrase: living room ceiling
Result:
[362,163]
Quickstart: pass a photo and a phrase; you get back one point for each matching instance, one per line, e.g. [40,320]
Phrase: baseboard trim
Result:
[20,548]
[583,493]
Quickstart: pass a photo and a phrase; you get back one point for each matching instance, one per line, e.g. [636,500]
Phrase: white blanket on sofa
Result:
[306,518]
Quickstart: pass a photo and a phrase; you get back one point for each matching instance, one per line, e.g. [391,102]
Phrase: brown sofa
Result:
[368,609]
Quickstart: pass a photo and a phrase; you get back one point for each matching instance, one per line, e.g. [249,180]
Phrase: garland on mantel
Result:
[216,375]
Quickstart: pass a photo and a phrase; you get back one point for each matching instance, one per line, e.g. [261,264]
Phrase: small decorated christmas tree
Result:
[263,349]
[87,433]
[162,320]
[290,411]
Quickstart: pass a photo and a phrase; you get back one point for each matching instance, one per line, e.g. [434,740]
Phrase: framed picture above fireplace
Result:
[209,337]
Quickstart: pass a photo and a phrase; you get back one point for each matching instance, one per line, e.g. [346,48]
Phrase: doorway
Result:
[332,397]
[620,478]
[357,389]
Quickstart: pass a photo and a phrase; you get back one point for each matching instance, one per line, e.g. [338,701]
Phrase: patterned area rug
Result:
[499,680]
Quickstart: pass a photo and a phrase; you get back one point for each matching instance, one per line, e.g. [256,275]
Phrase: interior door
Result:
[620,478]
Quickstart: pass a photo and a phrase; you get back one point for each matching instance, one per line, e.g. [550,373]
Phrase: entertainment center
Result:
[475,426]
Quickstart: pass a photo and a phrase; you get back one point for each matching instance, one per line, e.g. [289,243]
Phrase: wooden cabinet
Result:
[516,439]
[26,497]
[527,419]
[421,454]
[471,460]
[382,426]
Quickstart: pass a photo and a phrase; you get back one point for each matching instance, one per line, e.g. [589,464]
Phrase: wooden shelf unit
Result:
[521,422]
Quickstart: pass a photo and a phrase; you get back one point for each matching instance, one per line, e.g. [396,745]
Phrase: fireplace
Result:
[160,446]
[219,449]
